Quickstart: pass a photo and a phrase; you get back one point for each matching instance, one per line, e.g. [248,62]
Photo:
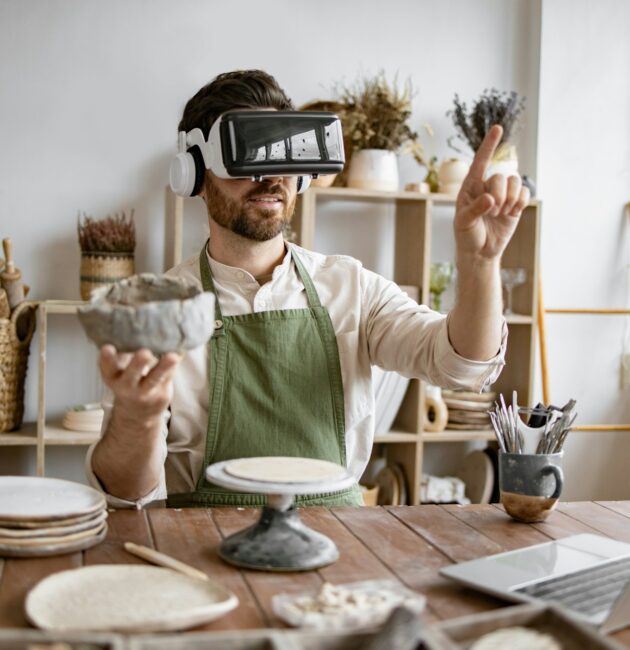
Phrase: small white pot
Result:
[505,162]
[374,169]
[451,175]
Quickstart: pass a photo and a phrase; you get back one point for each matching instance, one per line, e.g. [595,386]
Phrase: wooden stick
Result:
[161,559]
[618,312]
[11,277]
[601,427]
[542,341]
[10,269]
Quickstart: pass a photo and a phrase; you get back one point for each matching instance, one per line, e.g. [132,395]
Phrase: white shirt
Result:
[375,323]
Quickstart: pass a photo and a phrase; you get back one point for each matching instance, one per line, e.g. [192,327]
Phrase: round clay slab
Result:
[31,498]
[43,524]
[284,469]
[51,531]
[54,549]
[125,598]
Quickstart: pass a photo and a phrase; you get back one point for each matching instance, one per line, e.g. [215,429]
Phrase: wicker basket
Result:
[16,333]
[101,269]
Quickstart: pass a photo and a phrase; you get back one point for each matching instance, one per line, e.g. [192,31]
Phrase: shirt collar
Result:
[225,273]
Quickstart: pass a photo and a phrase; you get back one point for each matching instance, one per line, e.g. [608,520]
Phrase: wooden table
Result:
[407,544]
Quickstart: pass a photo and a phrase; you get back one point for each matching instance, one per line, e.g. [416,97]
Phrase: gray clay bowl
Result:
[157,312]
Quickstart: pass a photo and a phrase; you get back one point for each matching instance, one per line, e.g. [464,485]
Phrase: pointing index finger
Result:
[485,152]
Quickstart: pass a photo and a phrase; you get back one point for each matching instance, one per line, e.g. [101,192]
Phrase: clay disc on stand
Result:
[281,469]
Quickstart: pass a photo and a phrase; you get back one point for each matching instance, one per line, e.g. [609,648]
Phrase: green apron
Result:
[276,390]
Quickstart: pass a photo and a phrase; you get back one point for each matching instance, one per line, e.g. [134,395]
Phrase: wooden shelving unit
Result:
[412,259]
[43,433]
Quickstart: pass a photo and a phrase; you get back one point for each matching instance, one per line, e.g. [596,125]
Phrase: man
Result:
[288,370]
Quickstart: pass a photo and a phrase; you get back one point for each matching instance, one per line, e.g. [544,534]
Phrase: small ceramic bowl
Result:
[157,312]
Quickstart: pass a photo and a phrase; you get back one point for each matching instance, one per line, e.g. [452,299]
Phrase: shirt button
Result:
[240,275]
[218,324]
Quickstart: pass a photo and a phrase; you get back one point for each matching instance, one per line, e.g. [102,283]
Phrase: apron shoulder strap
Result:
[311,293]
[206,279]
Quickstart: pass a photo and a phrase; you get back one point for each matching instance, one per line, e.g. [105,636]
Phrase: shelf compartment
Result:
[354,194]
[519,319]
[452,435]
[25,436]
[396,436]
[56,434]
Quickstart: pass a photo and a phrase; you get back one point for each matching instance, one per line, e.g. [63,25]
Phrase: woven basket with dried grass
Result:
[16,333]
[107,251]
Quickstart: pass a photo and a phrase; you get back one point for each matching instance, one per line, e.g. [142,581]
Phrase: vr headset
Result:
[257,144]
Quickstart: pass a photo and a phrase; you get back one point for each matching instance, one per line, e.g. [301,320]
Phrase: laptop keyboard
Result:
[589,591]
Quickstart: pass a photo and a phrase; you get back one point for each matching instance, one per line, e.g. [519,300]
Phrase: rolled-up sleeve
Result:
[412,340]
[159,492]
[458,371]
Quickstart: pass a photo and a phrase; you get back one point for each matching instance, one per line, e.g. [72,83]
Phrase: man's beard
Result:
[246,219]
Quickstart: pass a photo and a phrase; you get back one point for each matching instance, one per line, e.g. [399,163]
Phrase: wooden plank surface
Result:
[495,525]
[604,520]
[414,560]
[264,585]
[408,544]
[620,507]
[20,575]
[190,535]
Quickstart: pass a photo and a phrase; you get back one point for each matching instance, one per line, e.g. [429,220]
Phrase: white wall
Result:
[584,181]
[92,92]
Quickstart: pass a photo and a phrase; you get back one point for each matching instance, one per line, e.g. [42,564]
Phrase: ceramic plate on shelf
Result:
[125,598]
[33,498]
[477,472]
[392,485]
[11,550]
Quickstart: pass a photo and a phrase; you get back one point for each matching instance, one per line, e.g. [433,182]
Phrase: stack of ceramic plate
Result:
[48,516]
[85,417]
[467,410]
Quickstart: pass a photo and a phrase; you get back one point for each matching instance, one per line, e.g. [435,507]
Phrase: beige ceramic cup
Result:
[530,484]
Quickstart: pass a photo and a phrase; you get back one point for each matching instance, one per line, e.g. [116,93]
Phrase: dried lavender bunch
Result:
[492,107]
[115,234]
[375,115]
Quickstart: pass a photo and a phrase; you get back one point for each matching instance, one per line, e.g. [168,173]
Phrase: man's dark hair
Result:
[232,90]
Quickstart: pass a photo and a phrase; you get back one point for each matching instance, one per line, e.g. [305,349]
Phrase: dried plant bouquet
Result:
[115,234]
[375,115]
[492,107]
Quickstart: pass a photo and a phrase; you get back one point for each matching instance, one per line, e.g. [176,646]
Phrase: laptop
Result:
[589,575]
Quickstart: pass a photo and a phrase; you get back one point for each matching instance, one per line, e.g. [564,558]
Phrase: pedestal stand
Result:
[279,541]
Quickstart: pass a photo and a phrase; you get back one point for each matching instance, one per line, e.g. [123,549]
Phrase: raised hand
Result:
[142,385]
[487,211]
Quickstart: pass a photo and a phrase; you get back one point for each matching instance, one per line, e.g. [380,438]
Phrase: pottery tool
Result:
[545,432]
[279,541]
[11,277]
[161,559]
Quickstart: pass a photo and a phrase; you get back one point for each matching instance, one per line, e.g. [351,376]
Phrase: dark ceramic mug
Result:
[530,484]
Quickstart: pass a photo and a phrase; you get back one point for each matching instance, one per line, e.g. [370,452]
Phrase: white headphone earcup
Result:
[182,174]
[303,184]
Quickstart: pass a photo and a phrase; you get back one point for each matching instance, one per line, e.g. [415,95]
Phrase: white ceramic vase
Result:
[451,175]
[505,162]
[374,169]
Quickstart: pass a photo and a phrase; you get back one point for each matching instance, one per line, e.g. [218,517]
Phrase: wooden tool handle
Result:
[161,559]
[7,245]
